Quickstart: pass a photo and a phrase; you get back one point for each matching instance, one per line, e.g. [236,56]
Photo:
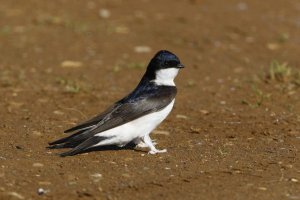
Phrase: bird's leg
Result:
[140,143]
[153,150]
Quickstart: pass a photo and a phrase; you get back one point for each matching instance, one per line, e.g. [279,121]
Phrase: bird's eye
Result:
[170,63]
[166,63]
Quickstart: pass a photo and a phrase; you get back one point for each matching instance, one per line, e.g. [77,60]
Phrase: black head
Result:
[163,60]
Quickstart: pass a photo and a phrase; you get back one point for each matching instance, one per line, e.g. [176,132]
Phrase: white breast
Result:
[140,127]
[166,76]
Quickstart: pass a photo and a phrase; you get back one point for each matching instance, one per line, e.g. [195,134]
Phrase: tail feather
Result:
[79,128]
[68,139]
[84,146]
[63,145]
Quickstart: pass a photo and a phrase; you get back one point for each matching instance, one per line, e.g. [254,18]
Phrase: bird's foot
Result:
[155,151]
[141,145]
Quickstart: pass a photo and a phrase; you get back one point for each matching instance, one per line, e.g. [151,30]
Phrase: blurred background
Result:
[234,132]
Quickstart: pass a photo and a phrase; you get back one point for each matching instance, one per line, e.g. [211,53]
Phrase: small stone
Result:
[58,112]
[41,191]
[294,180]
[36,133]
[181,116]
[262,188]
[204,112]
[104,13]
[195,130]
[289,166]
[142,49]
[71,64]
[273,46]
[126,175]
[72,182]
[160,132]
[96,177]
[18,147]
[38,165]
[122,29]
[44,183]
[223,102]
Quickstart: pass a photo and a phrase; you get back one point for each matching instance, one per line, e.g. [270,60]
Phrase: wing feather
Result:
[136,105]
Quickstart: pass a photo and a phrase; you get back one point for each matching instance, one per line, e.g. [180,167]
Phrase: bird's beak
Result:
[180,66]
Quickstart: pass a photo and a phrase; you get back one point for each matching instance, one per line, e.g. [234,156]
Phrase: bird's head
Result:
[163,68]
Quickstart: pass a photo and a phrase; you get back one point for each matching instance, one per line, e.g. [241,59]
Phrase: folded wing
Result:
[124,111]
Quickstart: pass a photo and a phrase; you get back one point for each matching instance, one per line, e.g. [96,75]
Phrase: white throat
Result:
[166,76]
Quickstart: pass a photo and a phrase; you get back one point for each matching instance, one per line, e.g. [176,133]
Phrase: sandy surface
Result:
[234,132]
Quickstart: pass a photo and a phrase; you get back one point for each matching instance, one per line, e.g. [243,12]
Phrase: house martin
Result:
[132,118]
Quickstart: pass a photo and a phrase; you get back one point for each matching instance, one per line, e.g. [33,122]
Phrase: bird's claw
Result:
[157,151]
[141,145]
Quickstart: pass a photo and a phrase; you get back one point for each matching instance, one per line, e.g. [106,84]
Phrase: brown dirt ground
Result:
[234,132]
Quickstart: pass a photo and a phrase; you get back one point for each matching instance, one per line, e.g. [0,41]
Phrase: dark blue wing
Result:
[142,101]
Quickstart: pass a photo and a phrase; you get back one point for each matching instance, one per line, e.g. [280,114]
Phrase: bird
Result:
[134,117]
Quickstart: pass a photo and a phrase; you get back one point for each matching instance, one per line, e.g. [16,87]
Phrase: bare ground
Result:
[234,132]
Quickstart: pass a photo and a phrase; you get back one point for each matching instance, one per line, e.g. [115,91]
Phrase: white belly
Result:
[138,128]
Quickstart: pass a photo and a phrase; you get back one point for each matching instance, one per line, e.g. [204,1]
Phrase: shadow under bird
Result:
[131,119]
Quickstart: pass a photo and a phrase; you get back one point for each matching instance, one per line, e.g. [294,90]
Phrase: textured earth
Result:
[234,132]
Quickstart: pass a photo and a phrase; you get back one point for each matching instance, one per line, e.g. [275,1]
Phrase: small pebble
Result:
[44,183]
[71,64]
[294,180]
[195,130]
[181,117]
[96,177]
[273,46]
[58,112]
[262,188]
[41,191]
[204,112]
[158,132]
[122,29]
[126,175]
[38,165]
[142,49]
[104,13]
[223,102]
[36,133]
